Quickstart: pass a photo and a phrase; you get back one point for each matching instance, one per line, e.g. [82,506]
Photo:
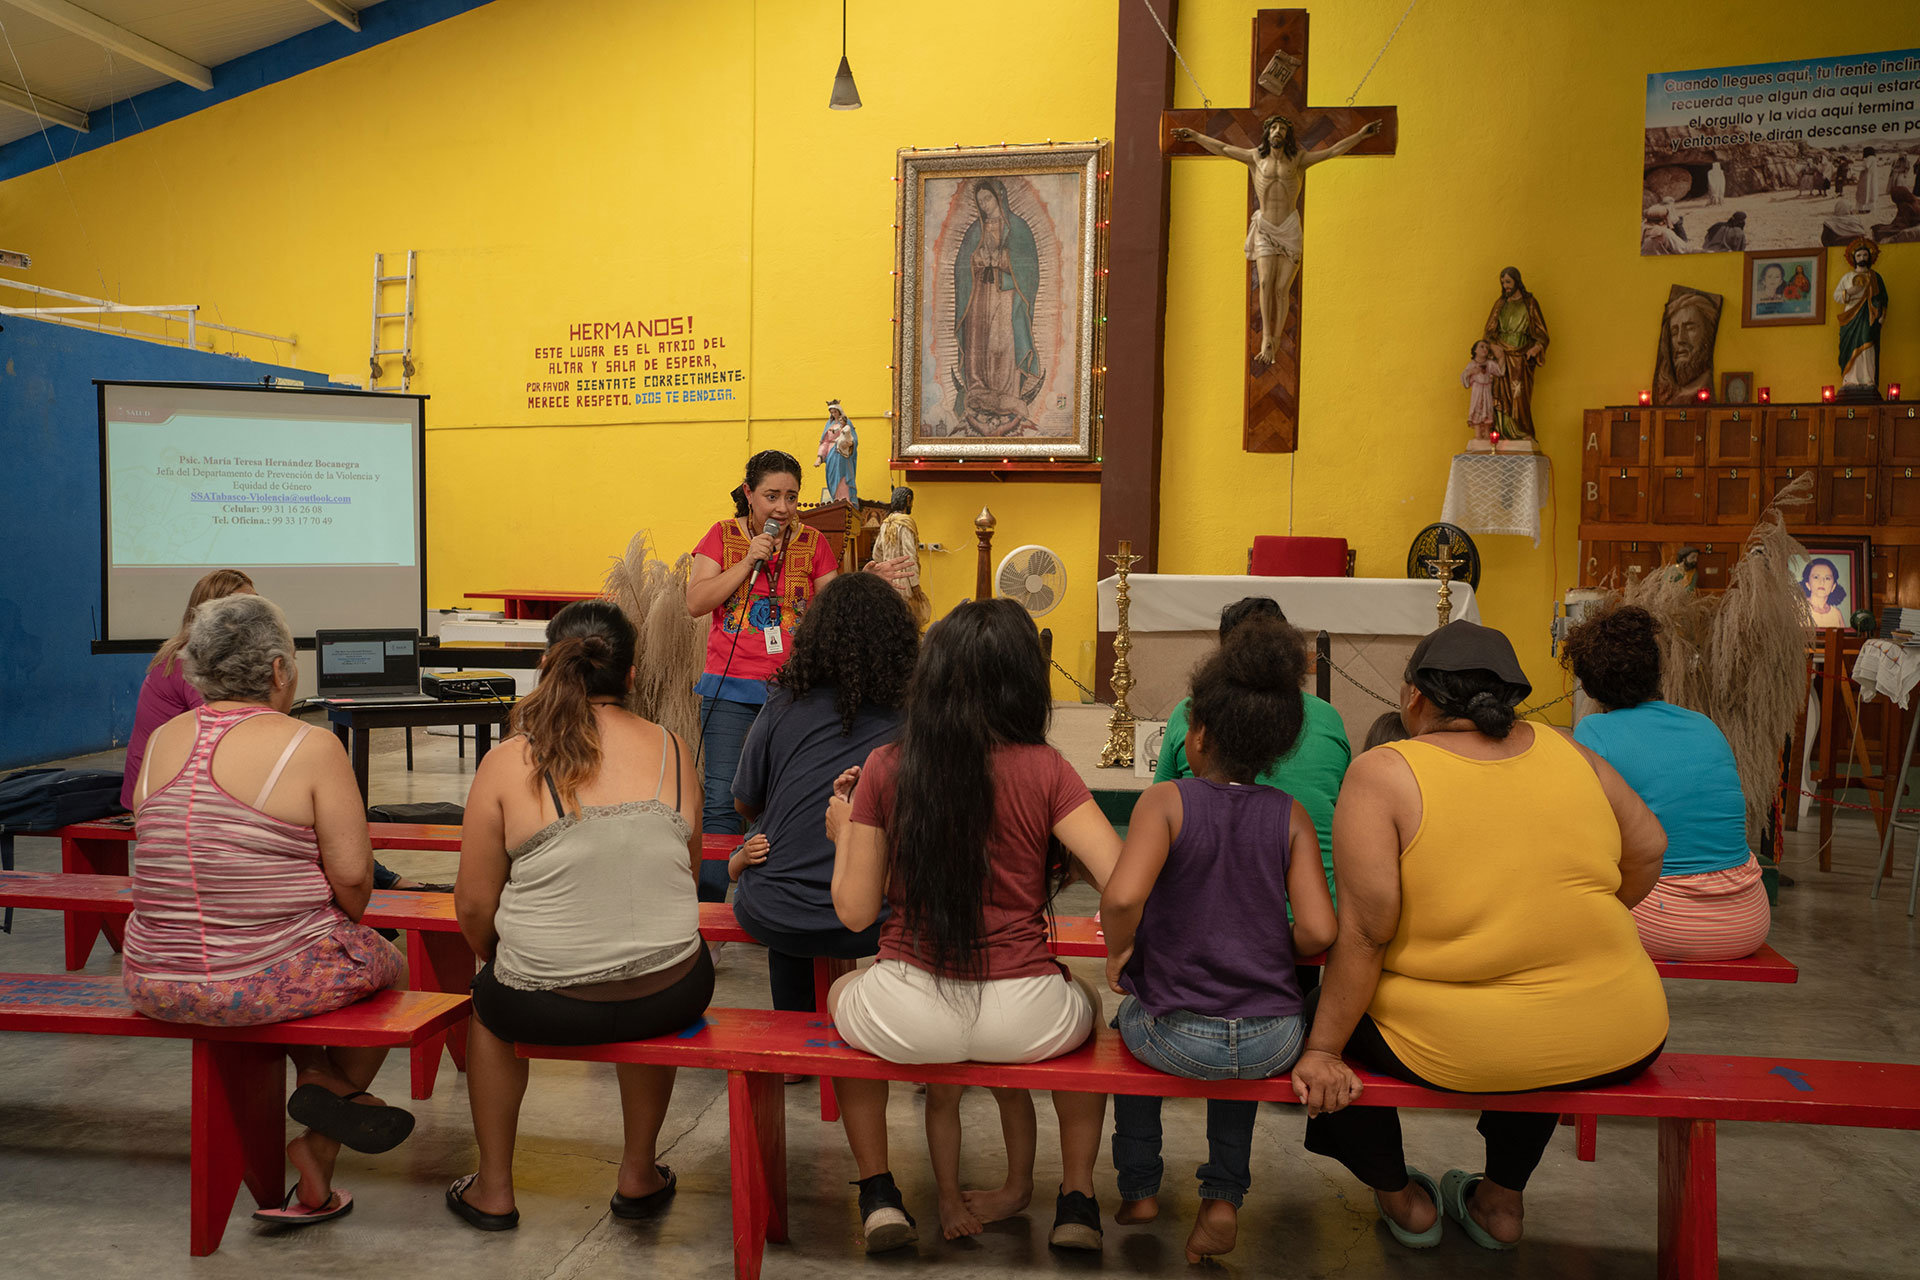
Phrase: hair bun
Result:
[1264,653]
[1491,714]
[594,650]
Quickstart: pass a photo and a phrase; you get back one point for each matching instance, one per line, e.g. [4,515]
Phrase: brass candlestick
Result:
[1446,562]
[1118,753]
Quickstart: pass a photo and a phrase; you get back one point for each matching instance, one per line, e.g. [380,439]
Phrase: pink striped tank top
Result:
[220,889]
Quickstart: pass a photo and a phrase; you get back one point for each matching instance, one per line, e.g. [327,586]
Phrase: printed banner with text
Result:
[1782,155]
[657,368]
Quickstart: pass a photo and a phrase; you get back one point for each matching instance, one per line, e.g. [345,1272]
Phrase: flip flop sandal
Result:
[368,1130]
[479,1219]
[1456,1188]
[292,1213]
[648,1205]
[1416,1239]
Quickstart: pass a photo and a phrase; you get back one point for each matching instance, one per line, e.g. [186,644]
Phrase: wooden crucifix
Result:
[1273,248]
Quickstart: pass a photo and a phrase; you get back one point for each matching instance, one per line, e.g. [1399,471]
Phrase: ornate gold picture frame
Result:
[999,288]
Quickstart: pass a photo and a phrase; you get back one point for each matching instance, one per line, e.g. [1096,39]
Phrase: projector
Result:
[467,686]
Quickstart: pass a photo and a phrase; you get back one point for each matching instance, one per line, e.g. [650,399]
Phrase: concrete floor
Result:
[94,1175]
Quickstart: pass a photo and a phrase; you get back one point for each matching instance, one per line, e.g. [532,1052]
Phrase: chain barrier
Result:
[1534,711]
[1827,798]
[1388,702]
[1337,670]
[1341,672]
[1076,684]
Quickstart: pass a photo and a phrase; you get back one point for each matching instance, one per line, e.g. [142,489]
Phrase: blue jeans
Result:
[1199,1048]
[726,724]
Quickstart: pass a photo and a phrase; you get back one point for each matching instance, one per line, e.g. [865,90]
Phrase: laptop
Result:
[370,665]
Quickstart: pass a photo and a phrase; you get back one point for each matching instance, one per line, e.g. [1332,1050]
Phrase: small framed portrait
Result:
[1833,576]
[1784,286]
[1736,388]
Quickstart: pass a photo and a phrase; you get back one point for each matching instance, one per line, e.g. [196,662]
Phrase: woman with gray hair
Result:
[245,911]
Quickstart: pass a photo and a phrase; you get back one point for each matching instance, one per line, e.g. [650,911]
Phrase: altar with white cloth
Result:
[1373,625]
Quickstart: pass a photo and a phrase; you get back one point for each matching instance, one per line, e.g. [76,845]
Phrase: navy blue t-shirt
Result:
[787,766]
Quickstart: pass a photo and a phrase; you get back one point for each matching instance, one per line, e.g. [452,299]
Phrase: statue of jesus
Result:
[1277,166]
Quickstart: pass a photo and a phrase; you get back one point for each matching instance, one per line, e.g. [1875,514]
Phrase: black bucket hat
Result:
[1468,646]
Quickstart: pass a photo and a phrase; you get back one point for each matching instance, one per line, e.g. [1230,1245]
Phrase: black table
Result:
[354,723]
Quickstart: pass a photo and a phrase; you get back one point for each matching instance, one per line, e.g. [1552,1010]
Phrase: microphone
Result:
[759,565]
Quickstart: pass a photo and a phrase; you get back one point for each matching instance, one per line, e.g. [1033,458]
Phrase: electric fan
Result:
[1436,541]
[1034,576]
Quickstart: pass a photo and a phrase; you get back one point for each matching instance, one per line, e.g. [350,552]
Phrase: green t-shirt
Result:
[1311,773]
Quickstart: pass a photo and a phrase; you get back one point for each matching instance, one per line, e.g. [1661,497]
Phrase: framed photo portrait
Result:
[998,296]
[1784,286]
[1833,574]
[1736,388]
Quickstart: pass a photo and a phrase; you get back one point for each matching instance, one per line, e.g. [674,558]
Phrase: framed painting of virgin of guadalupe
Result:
[997,298]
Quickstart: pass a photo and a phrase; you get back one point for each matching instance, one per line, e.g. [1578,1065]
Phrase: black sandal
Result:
[368,1130]
[479,1219]
[648,1205]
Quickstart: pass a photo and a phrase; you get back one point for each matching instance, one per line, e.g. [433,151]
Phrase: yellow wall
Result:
[602,158]
[1521,130]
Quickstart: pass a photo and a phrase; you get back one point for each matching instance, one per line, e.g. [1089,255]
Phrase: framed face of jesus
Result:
[999,284]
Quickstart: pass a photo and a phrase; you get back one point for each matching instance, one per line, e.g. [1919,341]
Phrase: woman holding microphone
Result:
[755,575]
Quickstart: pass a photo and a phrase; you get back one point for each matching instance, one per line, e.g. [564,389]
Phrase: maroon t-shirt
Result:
[1033,789]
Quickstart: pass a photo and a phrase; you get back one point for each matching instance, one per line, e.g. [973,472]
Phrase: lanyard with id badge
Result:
[770,634]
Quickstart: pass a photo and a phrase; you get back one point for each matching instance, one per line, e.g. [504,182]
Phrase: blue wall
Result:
[56,697]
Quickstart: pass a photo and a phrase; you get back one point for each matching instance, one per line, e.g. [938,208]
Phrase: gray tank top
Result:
[601,894]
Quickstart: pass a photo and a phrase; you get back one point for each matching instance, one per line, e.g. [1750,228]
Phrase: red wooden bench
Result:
[239,1094]
[440,960]
[100,848]
[1687,1093]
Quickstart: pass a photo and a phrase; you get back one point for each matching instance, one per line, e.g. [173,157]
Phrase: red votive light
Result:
[1893,391]
[1826,393]
[1703,395]
[1766,395]
[1646,397]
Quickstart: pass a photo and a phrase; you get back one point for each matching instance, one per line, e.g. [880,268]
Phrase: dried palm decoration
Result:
[672,647]
[1739,657]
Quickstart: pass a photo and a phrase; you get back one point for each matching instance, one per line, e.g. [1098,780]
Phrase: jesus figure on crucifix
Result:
[1278,167]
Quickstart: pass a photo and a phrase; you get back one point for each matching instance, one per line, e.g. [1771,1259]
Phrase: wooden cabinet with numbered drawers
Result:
[1653,480]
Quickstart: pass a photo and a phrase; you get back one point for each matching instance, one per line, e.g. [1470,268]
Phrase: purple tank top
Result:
[1214,938]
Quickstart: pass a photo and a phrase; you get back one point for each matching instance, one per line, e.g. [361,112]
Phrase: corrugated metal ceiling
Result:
[56,64]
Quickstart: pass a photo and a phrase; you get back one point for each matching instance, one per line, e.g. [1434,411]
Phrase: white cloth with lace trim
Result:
[1498,493]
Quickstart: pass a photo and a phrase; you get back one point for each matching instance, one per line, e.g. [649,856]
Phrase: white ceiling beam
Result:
[338,12]
[91,26]
[35,105]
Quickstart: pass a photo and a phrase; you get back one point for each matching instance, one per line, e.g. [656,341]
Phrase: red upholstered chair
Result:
[1285,557]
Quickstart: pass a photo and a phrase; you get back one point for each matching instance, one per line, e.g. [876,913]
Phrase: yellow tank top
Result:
[1515,966]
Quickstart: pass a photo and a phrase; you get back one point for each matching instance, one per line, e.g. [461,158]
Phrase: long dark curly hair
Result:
[1615,655]
[981,684]
[858,638]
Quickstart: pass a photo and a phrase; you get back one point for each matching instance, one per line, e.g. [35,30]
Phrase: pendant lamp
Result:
[846,96]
